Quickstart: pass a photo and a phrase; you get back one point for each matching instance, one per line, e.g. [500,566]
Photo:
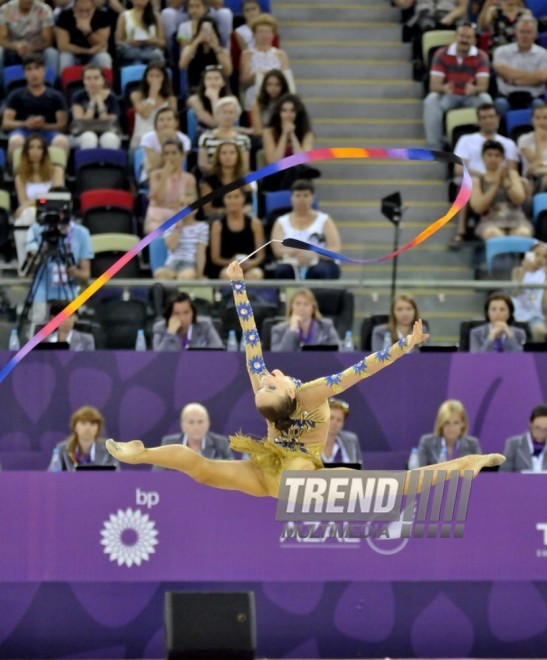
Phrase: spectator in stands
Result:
[244,35]
[195,434]
[227,166]
[449,439]
[255,62]
[211,88]
[274,86]
[304,325]
[305,224]
[469,149]
[469,146]
[60,281]
[84,445]
[533,147]
[431,15]
[497,196]
[500,20]
[403,314]
[186,243]
[180,328]
[528,451]
[96,112]
[289,132]
[521,69]
[166,124]
[26,27]
[341,446]
[76,339]
[234,235]
[82,34]
[35,175]
[175,19]
[227,111]
[35,108]
[139,35]
[171,188]
[204,50]
[154,93]
[498,334]
[459,78]
[529,302]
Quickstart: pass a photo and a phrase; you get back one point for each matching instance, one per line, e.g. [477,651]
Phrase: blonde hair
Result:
[308,294]
[226,100]
[83,414]
[264,19]
[446,410]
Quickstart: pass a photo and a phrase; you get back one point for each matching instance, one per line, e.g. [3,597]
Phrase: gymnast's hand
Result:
[418,335]
[235,272]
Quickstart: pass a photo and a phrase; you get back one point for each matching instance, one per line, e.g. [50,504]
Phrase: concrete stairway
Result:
[354,75]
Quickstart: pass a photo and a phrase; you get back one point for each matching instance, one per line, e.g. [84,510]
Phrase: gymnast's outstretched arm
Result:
[317,391]
[253,348]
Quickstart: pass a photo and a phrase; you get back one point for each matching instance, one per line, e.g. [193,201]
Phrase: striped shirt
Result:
[209,141]
[460,70]
[189,238]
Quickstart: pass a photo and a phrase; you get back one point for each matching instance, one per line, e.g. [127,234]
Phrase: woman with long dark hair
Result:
[212,87]
[297,416]
[155,92]
[274,86]
[139,35]
[227,166]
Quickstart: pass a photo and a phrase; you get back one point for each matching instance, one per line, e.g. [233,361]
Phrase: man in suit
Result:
[195,434]
[78,341]
[528,451]
[341,446]
[180,328]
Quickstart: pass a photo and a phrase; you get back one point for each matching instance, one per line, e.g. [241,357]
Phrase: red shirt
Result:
[460,70]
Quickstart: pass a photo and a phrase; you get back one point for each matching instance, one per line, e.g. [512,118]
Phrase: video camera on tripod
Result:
[53,212]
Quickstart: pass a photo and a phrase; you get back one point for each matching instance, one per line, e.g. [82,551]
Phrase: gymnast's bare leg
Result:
[247,478]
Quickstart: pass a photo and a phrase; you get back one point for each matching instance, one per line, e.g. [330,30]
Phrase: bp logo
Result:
[129,537]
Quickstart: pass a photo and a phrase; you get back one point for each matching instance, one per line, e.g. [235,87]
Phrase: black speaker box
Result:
[210,625]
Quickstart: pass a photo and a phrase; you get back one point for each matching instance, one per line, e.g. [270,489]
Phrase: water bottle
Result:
[232,342]
[348,342]
[443,456]
[55,465]
[140,344]
[413,462]
[14,344]
[242,342]
[387,340]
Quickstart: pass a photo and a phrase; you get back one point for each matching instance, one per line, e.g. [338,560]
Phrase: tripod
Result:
[51,257]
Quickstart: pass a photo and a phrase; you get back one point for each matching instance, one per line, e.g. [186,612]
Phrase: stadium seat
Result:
[435,39]
[338,305]
[57,155]
[192,126]
[107,211]
[506,245]
[540,216]
[460,121]
[158,254]
[100,168]
[518,122]
[72,79]
[120,320]
[130,74]
[467,326]
[14,76]
[108,248]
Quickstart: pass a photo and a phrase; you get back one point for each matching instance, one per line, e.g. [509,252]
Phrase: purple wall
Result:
[140,395]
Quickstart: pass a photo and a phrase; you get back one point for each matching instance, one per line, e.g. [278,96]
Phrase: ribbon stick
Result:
[281,165]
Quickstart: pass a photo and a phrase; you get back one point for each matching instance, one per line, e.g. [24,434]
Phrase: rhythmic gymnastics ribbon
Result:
[291,161]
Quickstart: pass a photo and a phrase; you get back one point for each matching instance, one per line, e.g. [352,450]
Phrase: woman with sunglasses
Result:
[297,416]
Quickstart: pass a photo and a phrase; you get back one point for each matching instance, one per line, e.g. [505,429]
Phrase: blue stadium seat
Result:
[191,126]
[516,118]
[129,74]
[14,76]
[279,199]
[506,245]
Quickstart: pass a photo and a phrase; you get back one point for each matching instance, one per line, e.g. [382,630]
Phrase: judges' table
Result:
[86,558]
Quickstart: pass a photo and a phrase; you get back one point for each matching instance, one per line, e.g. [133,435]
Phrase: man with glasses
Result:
[527,452]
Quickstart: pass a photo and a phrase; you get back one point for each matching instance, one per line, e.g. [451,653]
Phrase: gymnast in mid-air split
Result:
[297,416]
